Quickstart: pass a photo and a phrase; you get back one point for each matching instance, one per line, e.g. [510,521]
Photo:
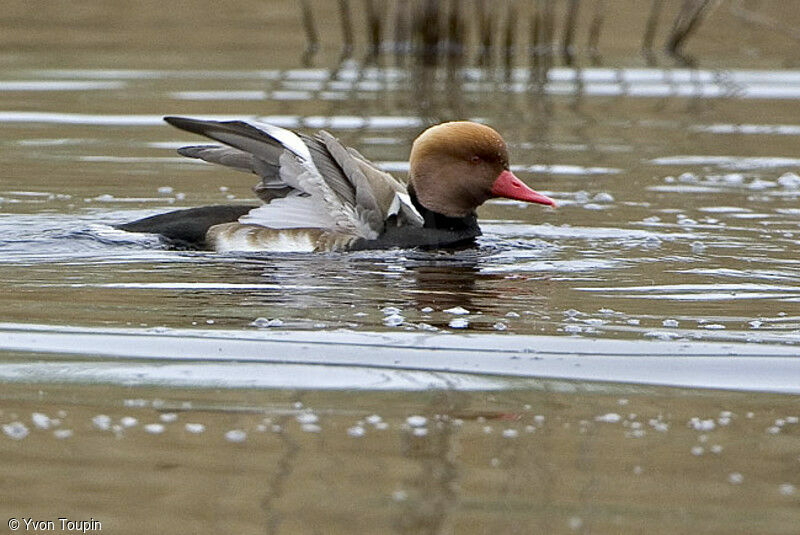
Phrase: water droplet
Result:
[416,421]
[356,431]
[16,430]
[458,323]
[154,429]
[735,478]
[236,435]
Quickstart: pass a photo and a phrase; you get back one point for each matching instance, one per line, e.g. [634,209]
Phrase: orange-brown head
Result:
[457,166]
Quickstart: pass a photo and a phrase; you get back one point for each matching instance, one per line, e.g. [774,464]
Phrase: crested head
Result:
[454,165]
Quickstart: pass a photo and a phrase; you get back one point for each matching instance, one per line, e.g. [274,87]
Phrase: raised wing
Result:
[307,182]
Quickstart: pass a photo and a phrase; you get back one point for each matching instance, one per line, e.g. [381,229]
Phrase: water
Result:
[584,349]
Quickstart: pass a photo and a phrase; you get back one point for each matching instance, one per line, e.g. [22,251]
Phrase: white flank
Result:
[240,240]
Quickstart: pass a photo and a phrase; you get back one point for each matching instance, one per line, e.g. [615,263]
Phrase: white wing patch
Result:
[292,211]
[315,205]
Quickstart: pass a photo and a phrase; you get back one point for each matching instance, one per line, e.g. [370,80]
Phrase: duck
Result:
[318,195]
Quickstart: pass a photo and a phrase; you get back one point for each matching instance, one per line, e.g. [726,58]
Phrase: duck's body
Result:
[322,196]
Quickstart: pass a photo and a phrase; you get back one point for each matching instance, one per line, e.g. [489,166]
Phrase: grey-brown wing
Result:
[270,187]
[330,170]
[378,195]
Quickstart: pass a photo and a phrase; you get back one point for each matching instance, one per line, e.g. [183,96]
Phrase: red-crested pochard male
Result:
[319,195]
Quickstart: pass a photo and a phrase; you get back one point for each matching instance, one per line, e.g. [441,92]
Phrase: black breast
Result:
[439,231]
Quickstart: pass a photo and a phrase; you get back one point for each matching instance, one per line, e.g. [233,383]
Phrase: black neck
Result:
[435,220]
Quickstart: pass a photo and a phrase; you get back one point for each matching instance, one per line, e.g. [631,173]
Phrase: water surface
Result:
[625,363]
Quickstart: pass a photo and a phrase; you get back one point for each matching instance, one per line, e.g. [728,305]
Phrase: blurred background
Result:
[667,130]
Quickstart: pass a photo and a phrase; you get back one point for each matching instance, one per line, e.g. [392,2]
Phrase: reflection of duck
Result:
[322,196]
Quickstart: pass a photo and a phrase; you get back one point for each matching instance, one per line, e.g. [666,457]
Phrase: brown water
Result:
[678,220]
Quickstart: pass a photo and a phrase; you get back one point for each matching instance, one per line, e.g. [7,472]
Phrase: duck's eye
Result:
[475,159]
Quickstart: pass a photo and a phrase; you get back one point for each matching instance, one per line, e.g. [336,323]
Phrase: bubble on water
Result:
[773,430]
[660,335]
[168,417]
[633,321]
[539,419]
[512,314]
[699,424]
[262,323]
[399,495]
[307,418]
[669,323]
[42,421]
[661,427]
[16,430]
[716,449]
[723,420]
[603,197]
[393,320]
[236,435]
[390,311]
[500,326]
[356,431]
[714,326]
[792,419]
[735,478]
[789,181]
[154,429]
[128,421]
[687,177]
[510,433]
[416,421]
[311,428]
[581,197]
[687,222]
[419,431]
[426,310]
[102,422]
[194,428]
[457,310]
[458,323]
[373,419]
[733,178]
[62,433]
[611,418]
[787,489]
[652,242]
[755,324]
[697,451]
[166,190]
[637,470]
[698,247]
[760,185]
[575,523]
[427,327]
[573,329]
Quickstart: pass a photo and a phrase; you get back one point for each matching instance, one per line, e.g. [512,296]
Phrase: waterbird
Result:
[319,195]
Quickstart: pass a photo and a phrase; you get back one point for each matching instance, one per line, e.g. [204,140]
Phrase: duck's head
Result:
[455,167]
